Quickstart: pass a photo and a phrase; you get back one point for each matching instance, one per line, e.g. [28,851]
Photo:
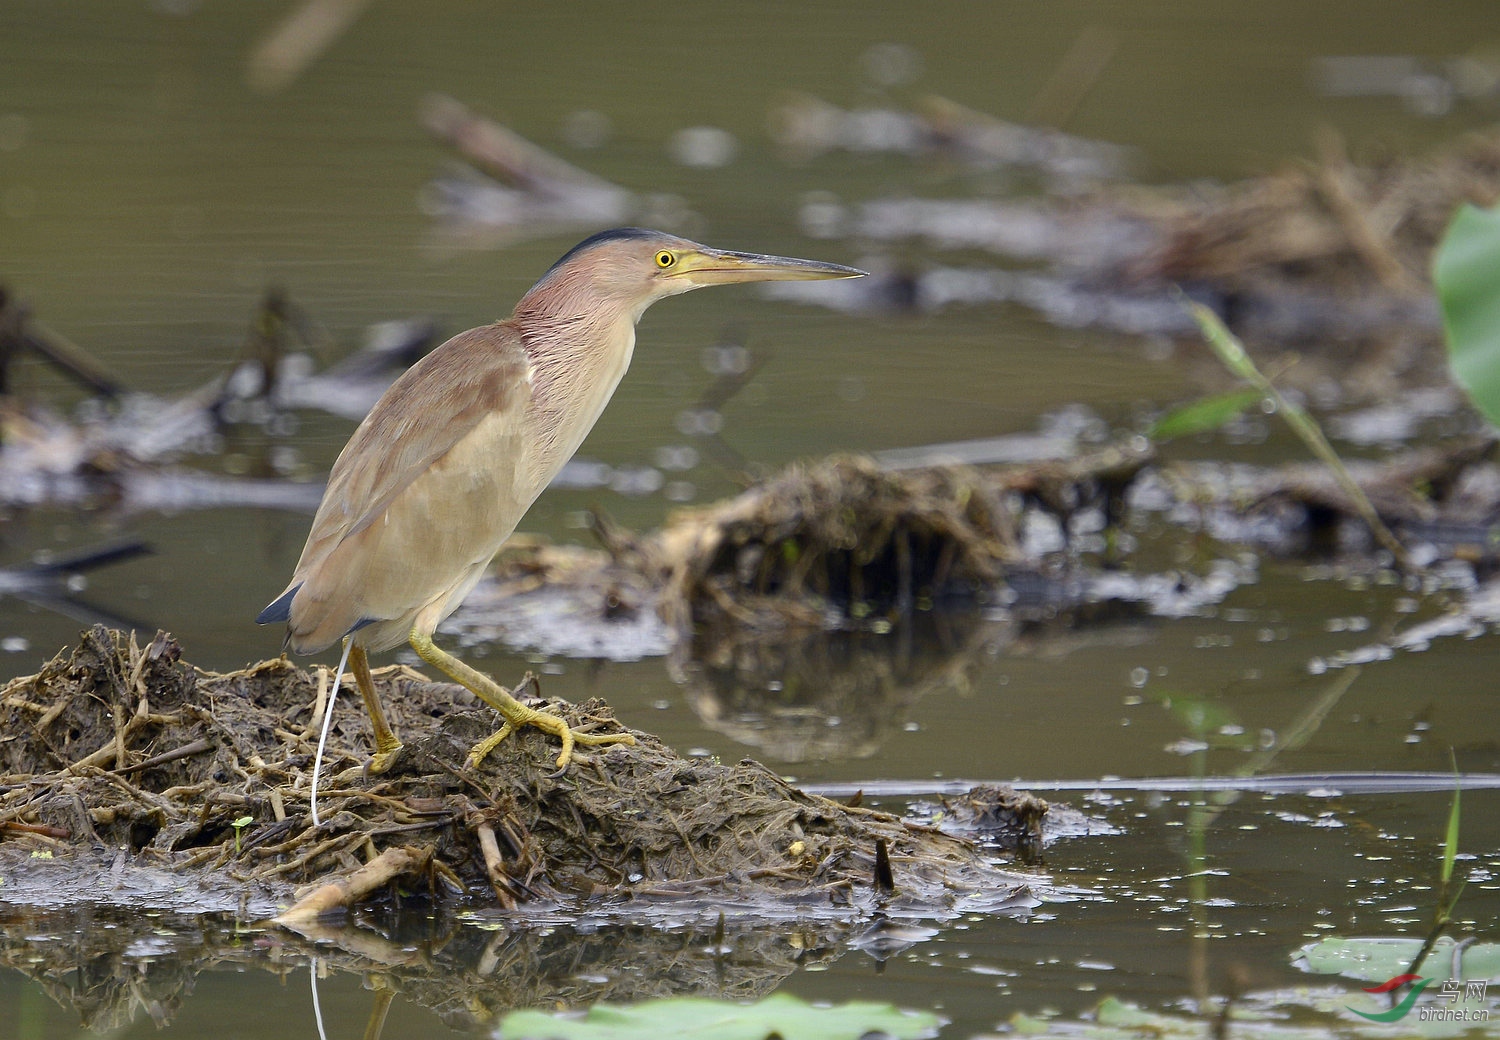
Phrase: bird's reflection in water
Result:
[805,695]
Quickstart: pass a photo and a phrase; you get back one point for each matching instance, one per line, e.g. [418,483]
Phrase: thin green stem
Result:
[1447,892]
[1227,346]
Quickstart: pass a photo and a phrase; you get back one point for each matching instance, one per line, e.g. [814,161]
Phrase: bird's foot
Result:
[383,759]
[547,723]
[508,704]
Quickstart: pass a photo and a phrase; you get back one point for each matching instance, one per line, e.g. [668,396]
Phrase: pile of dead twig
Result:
[1332,224]
[133,748]
[844,544]
[847,539]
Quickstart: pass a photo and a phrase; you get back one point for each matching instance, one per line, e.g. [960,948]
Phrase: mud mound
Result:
[848,538]
[840,532]
[134,749]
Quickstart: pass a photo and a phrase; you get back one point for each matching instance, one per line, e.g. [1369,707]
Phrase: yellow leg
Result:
[514,712]
[386,744]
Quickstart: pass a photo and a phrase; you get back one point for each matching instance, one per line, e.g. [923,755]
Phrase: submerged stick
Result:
[1074,77]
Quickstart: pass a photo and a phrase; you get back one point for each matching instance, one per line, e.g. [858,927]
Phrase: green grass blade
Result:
[1232,353]
[1206,414]
[1450,839]
[1225,344]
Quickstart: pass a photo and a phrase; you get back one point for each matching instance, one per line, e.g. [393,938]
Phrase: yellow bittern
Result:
[448,461]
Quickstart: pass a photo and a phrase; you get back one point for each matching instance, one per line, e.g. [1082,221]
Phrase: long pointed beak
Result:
[721,267]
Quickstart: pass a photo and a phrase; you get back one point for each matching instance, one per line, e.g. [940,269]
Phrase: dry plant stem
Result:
[51,715]
[35,828]
[1074,77]
[503,153]
[112,750]
[319,706]
[1340,191]
[1232,353]
[296,41]
[494,864]
[339,843]
[193,748]
[341,894]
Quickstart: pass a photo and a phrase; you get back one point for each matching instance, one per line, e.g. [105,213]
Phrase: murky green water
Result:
[148,197]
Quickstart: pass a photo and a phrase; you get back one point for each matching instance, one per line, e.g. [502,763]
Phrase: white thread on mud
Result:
[333,697]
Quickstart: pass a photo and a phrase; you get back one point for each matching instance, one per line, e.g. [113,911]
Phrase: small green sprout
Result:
[239,827]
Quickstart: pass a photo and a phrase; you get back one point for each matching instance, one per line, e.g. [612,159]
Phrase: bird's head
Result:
[632,268]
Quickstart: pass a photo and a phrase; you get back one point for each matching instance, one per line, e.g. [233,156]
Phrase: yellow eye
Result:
[665,258]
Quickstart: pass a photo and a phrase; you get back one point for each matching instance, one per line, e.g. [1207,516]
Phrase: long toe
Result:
[595,739]
[555,726]
[570,737]
[382,760]
[481,750]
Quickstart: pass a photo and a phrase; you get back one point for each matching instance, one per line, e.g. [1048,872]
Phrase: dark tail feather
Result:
[281,609]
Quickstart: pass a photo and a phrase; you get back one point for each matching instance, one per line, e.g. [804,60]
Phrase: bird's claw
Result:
[550,724]
[382,760]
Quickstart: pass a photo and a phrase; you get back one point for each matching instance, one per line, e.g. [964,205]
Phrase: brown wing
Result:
[399,450]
